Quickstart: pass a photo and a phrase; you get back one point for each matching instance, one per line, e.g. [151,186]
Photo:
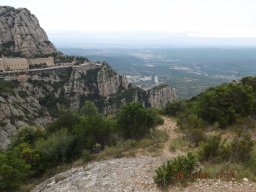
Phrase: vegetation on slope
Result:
[70,137]
[229,108]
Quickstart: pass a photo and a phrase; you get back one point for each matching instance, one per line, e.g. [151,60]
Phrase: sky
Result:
[197,18]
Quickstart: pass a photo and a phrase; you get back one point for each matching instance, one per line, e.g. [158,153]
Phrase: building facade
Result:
[37,61]
[12,64]
[1,65]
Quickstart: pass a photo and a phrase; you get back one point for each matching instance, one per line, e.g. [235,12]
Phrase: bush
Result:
[179,169]
[191,122]
[216,149]
[241,147]
[57,148]
[213,149]
[30,156]
[88,109]
[66,120]
[251,163]
[13,171]
[195,135]
[134,121]
[92,130]
[86,156]
[28,134]
[173,109]
[154,117]
[224,104]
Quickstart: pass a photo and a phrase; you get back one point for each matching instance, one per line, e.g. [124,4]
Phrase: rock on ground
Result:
[129,175]
[125,174]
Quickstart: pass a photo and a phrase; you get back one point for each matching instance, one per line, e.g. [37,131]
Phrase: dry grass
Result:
[179,144]
[151,145]
[228,171]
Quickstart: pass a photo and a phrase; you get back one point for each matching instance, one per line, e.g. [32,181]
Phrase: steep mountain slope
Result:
[37,101]
[21,34]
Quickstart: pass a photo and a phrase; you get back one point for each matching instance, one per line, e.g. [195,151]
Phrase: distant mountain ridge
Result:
[22,35]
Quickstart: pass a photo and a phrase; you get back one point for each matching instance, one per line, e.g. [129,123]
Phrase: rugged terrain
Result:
[37,100]
[134,174]
[21,34]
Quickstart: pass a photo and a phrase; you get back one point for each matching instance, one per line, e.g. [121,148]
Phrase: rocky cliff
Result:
[37,100]
[21,34]
[161,95]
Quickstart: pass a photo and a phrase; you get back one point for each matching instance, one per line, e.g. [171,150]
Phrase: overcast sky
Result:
[203,18]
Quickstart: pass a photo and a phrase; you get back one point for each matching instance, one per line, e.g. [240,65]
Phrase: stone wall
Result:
[48,61]
[10,64]
[1,65]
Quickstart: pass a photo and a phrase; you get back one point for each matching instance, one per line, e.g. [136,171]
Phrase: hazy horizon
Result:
[175,23]
[145,40]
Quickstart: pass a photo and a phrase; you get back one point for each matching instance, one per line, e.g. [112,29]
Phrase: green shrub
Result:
[226,103]
[27,134]
[31,156]
[88,109]
[56,148]
[134,121]
[179,169]
[172,109]
[86,156]
[241,147]
[92,130]
[13,171]
[195,135]
[251,163]
[238,150]
[179,143]
[213,149]
[66,119]
[153,117]
[190,122]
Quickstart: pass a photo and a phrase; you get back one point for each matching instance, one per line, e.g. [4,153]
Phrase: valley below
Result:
[189,70]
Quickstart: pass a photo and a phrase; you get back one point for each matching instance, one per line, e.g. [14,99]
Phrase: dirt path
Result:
[170,127]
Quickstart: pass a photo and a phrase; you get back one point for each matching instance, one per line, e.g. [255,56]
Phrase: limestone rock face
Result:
[15,112]
[21,34]
[37,101]
[161,95]
[109,82]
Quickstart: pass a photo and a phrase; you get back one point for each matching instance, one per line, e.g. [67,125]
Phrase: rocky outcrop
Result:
[161,95]
[126,174]
[21,34]
[19,110]
[109,82]
[37,101]
[94,81]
